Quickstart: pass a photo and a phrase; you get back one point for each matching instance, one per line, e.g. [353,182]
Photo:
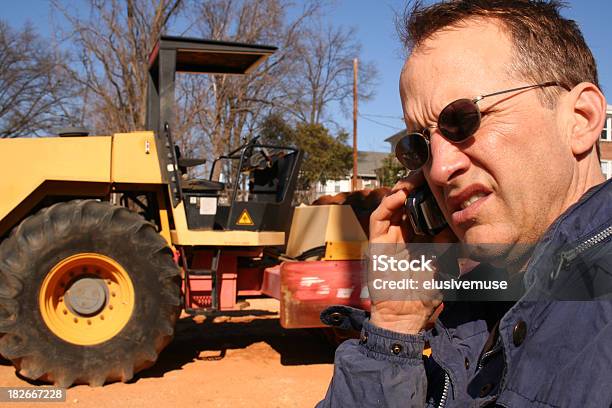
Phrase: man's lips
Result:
[464,205]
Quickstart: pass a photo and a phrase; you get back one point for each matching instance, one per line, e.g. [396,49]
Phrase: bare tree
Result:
[33,84]
[230,108]
[323,74]
[112,45]
[310,72]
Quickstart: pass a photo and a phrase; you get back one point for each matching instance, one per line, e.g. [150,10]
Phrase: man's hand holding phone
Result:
[389,225]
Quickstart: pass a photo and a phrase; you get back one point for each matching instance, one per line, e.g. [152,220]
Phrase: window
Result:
[337,188]
[606,133]
[606,168]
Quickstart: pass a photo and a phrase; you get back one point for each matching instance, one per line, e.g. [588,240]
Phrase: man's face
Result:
[509,181]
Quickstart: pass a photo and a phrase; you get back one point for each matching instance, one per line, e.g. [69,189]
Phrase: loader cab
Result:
[257,190]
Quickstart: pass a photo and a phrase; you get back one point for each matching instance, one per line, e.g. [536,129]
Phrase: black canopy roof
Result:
[211,57]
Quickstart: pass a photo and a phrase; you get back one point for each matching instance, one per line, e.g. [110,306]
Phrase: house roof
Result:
[368,162]
[395,137]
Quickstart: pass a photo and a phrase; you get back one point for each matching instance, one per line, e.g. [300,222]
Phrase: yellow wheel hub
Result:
[86,299]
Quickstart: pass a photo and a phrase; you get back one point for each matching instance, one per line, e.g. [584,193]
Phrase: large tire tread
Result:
[42,355]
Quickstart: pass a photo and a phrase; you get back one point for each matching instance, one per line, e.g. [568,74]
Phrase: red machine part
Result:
[239,276]
[306,288]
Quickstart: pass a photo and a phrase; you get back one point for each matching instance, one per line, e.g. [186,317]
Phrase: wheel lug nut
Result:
[75,320]
[110,307]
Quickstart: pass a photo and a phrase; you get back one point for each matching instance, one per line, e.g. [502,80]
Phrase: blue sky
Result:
[374,22]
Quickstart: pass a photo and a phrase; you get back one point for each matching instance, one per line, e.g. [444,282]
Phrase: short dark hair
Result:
[547,46]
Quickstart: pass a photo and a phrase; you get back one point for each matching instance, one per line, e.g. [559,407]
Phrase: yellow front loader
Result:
[104,239]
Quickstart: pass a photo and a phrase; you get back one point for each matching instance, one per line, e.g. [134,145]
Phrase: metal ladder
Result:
[215,279]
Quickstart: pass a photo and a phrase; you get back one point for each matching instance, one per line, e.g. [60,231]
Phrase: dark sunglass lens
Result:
[459,120]
[412,151]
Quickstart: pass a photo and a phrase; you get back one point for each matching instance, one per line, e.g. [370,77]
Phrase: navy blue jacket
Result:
[551,348]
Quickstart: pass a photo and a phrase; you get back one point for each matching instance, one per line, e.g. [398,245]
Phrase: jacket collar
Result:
[580,222]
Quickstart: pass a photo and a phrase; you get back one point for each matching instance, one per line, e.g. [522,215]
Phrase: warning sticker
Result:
[208,205]
[245,218]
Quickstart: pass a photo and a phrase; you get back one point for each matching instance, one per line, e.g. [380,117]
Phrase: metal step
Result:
[213,272]
[200,272]
[202,311]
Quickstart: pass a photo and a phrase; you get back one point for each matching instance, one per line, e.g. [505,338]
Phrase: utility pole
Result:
[355,69]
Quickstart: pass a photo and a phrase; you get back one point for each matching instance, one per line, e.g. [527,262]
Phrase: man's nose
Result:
[447,160]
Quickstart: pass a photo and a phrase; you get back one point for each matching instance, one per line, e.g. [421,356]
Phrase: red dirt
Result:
[242,360]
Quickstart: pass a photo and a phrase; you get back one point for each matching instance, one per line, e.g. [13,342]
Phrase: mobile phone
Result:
[423,211]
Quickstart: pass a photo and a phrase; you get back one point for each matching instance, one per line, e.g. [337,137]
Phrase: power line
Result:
[383,116]
[379,123]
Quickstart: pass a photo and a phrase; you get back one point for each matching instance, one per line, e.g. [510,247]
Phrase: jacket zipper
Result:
[485,356]
[568,256]
[444,391]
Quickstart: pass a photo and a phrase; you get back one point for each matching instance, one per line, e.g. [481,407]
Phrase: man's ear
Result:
[587,108]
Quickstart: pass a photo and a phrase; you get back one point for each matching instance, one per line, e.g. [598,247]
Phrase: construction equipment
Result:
[90,291]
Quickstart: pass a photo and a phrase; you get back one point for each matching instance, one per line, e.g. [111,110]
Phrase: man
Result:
[515,168]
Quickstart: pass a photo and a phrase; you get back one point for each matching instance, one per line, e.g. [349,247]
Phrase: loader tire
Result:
[89,294]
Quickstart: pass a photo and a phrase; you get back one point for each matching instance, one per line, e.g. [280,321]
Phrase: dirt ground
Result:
[242,360]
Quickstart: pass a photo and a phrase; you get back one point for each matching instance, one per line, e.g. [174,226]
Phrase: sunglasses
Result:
[457,122]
